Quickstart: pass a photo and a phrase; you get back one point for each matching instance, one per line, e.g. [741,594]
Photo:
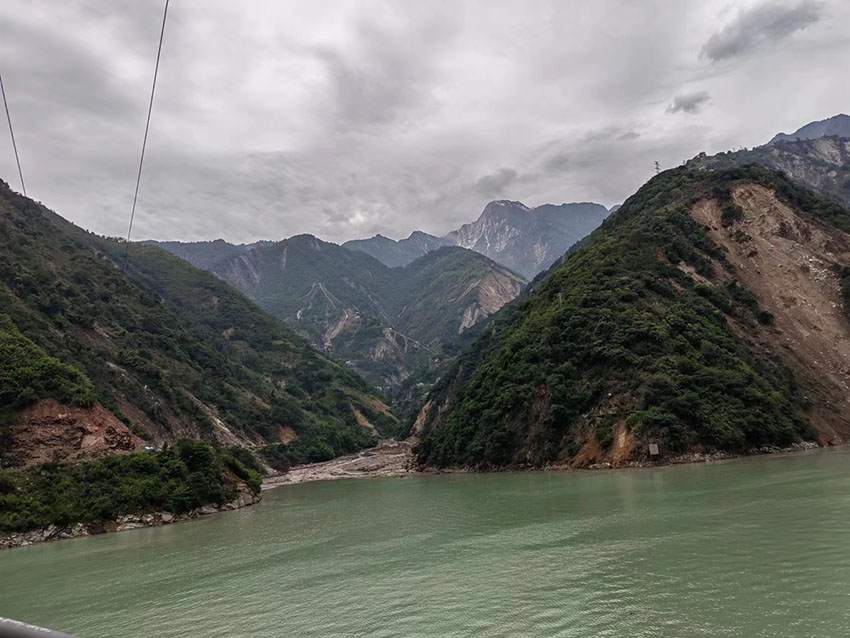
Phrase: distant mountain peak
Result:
[835,126]
[524,239]
[507,202]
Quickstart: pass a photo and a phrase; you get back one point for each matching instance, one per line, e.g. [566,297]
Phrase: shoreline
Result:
[124,523]
[393,459]
[389,459]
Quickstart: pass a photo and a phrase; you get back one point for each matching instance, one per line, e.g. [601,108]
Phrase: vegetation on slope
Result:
[169,349]
[28,373]
[389,324]
[433,293]
[621,336]
[183,477]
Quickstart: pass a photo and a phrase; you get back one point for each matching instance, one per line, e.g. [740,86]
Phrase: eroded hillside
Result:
[792,263]
[93,360]
[705,315]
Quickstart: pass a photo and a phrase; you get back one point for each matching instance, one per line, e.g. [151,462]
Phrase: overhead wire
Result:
[12,135]
[145,139]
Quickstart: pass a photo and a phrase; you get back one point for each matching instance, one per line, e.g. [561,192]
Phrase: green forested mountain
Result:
[166,350]
[390,324]
[707,313]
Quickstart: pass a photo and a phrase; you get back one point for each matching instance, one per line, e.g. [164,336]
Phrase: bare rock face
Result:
[494,290]
[49,431]
[528,240]
[835,126]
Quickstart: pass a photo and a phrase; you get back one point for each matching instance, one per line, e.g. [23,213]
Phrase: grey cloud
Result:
[344,118]
[557,163]
[689,103]
[385,73]
[496,183]
[763,24]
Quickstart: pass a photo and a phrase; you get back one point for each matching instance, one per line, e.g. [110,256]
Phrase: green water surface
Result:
[752,548]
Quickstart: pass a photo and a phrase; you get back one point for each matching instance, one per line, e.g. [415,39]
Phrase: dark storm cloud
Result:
[690,103]
[761,25]
[495,184]
[346,118]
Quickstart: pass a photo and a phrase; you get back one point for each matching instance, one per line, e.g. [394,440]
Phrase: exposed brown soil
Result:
[380,406]
[590,452]
[49,431]
[362,421]
[422,417]
[623,445]
[786,259]
[286,435]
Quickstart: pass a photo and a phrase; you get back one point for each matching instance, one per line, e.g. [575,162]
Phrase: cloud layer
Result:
[690,103]
[346,118]
[760,26]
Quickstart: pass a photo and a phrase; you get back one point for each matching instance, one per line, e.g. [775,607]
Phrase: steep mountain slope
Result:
[202,254]
[93,359]
[835,126]
[394,253]
[708,313]
[447,292]
[526,240]
[387,323]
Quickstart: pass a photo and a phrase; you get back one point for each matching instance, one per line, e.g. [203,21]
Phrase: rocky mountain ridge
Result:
[526,240]
[835,126]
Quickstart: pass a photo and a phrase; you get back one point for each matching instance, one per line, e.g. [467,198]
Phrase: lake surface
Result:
[757,547]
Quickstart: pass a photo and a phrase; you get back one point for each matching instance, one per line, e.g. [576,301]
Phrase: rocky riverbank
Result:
[389,459]
[244,498]
[705,457]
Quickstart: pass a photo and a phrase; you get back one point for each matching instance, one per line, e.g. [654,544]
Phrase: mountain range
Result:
[708,315]
[106,346]
[526,240]
[387,323]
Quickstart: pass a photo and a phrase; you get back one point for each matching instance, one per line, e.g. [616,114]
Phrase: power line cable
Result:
[12,134]
[147,128]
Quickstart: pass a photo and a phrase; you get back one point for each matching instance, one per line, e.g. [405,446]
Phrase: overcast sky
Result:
[349,118]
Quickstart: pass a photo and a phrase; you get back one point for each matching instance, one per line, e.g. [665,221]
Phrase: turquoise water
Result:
[758,547]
